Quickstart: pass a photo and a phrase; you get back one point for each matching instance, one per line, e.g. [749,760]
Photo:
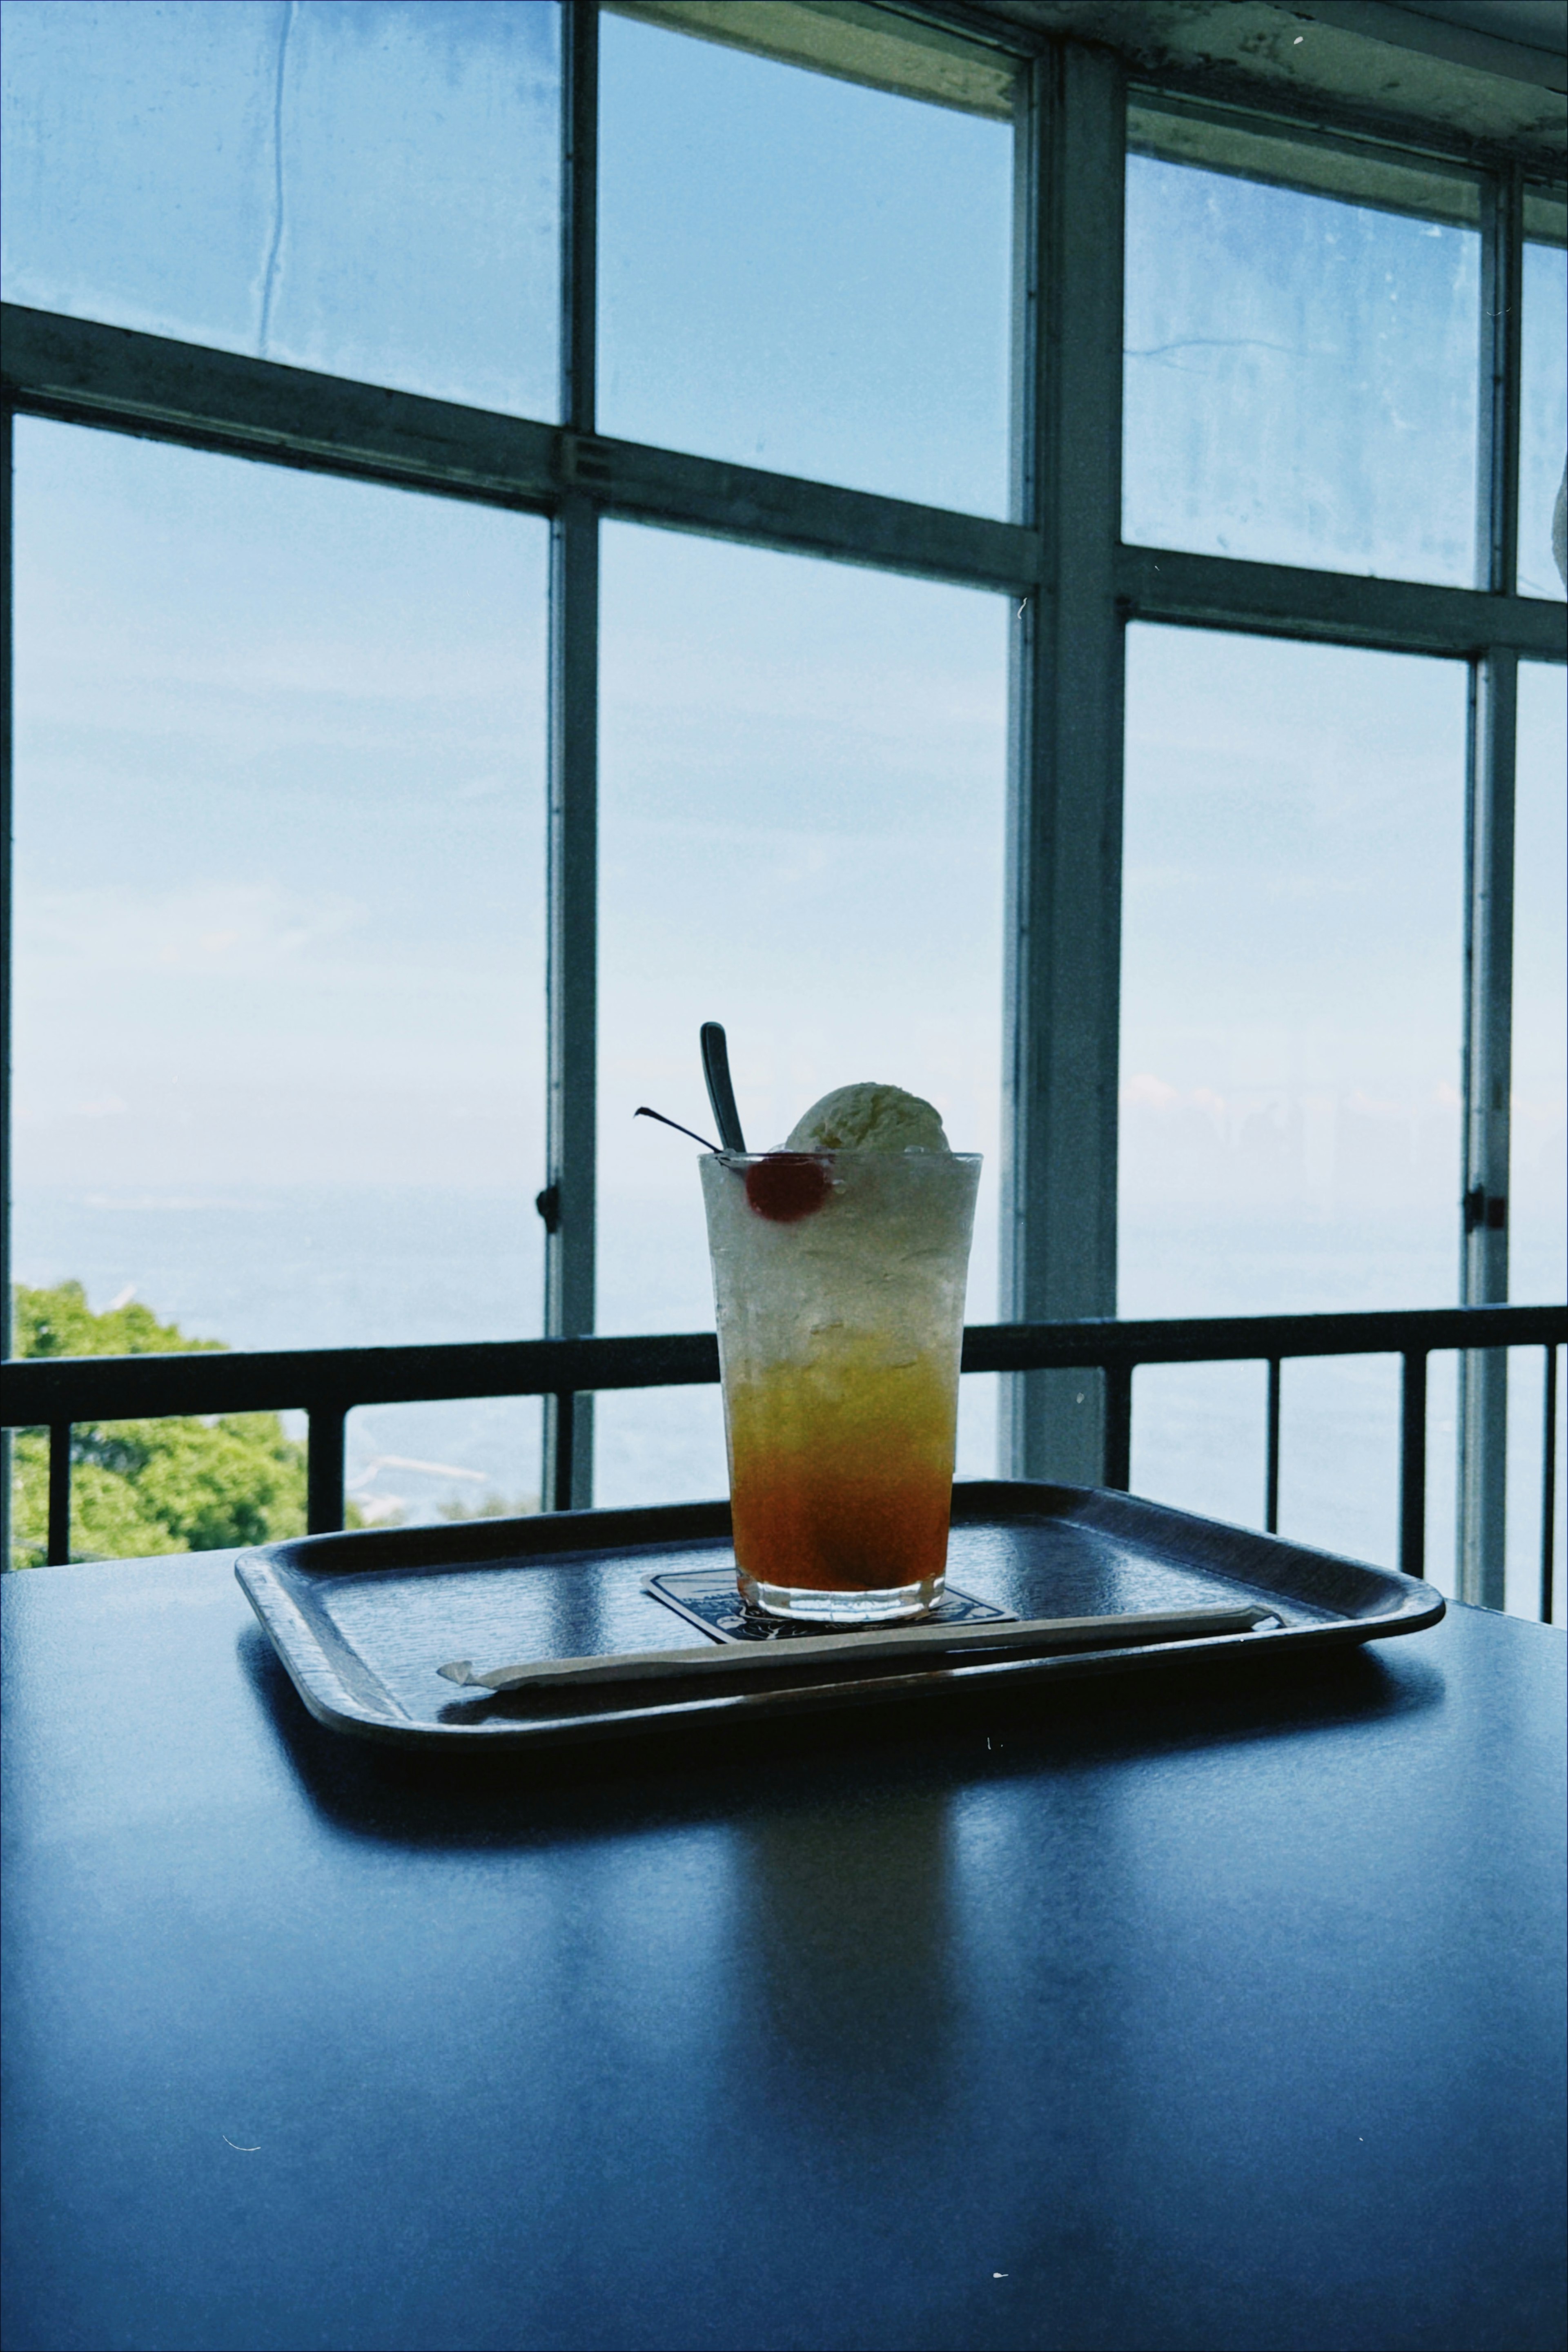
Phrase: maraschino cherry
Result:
[783,1186]
[787,1186]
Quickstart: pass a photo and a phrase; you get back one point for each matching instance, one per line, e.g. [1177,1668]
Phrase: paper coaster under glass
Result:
[708,1597]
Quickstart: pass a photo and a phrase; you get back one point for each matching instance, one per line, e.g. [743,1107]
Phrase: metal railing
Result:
[327,1383]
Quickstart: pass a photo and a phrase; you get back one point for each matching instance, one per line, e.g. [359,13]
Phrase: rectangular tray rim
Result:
[262,1572]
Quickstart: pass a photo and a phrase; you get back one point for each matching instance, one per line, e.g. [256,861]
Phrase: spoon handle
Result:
[997,1643]
[721,1093]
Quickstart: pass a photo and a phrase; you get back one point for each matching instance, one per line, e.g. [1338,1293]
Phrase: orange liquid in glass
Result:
[841,1474]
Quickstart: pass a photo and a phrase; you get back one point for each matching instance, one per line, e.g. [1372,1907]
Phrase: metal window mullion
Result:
[1227,592]
[1488,994]
[573,864]
[7,944]
[78,372]
[1058,1207]
[1482,1464]
[1502,287]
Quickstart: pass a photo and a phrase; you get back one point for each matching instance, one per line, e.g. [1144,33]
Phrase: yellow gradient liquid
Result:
[841,1470]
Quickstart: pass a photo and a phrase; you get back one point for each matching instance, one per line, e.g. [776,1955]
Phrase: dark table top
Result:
[1181,2012]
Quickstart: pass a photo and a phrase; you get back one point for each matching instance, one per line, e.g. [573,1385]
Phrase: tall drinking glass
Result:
[839,1282]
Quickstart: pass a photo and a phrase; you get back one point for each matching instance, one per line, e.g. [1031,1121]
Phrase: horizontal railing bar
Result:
[79,372]
[122,1388]
[1240,1338]
[1343,607]
[304,1378]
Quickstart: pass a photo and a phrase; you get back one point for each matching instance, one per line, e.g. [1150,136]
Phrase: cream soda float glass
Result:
[839,1282]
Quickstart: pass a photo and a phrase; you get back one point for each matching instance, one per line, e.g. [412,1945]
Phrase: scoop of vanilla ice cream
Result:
[868,1118]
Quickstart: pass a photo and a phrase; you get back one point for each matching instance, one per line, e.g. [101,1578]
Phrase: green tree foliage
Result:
[145,1487]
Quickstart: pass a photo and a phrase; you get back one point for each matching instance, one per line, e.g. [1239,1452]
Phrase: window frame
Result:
[1075,585]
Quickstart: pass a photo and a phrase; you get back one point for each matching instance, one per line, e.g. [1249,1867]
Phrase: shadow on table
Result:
[700,1772]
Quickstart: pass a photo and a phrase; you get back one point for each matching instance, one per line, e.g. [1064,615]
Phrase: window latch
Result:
[1482,1210]
[548,1204]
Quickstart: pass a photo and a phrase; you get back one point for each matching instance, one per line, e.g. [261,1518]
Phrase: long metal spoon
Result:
[721,1093]
[1034,1637]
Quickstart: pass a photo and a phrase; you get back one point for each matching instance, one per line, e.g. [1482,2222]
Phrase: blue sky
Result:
[800,274]
[1301,378]
[279,853]
[357,185]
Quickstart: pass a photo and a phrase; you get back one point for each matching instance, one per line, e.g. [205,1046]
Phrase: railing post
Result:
[1548,1481]
[59,1551]
[1118,1426]
[1413,1465]
[1271,1464]
[324,1470]
[559,1456]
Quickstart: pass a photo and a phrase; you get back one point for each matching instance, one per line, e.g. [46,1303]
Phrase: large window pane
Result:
[1543,415]
[1538,1138]
[1300,376]
[280,892]
[802,836]
[368,188]
[1291,1016]
[1538,1182]
[802,274]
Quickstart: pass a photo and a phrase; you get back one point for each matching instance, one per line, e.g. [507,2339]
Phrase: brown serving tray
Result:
[362,1621]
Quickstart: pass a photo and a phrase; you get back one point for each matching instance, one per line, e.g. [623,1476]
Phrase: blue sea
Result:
[359,1265]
